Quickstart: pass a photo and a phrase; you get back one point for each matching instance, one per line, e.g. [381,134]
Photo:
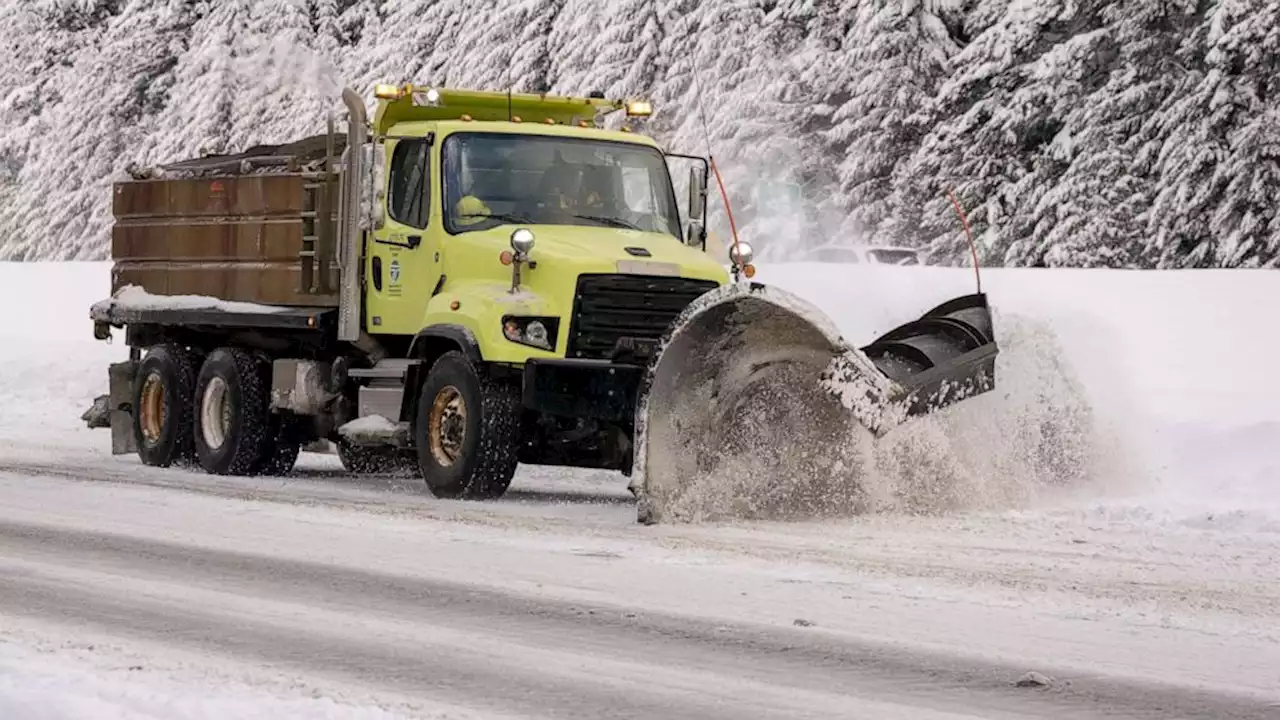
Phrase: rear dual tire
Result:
[214,414]
[235,431]
[162,409]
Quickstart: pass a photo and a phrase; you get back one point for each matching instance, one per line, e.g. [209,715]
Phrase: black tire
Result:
[484,461]
[362,460]
[241,388]
[163,421]
[284,444]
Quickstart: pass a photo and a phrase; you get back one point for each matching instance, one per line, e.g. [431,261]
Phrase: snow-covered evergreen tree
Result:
[206,73]
[615,52]
[282,83]
[528,23]
[1219,168]
[37,43]
[1001,128]
[1075,132]
[73,146]
[895,56]
[729,82]
[1095,214]
[472,50]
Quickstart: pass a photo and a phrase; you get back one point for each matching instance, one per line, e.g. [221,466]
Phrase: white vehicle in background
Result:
[864,254]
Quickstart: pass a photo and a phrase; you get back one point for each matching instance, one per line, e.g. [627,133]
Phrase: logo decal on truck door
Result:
[395,272]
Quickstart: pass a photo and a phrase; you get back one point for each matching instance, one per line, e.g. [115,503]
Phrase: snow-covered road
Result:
[133,592]
[556,605]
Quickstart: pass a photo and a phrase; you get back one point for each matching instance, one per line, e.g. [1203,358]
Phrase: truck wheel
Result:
[162,398]
[232,429]
[466,430]
[362,460]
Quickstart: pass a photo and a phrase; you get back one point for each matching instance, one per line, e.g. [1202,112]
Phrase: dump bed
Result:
[257,227]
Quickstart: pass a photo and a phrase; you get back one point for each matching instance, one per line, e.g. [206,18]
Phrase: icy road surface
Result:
[131,592]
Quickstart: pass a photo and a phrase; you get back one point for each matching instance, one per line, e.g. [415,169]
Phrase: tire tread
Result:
[178,367]
[488,472]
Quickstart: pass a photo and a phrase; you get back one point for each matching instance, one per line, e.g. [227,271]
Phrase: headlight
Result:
[740,254]
[536,333]
[522,241]
[539,332]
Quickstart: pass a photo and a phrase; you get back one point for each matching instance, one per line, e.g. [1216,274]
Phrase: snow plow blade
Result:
[755,405]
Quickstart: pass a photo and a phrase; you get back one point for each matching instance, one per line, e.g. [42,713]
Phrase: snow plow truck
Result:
[468,281]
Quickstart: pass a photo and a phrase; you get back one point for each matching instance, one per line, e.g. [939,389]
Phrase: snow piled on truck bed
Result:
[132,297]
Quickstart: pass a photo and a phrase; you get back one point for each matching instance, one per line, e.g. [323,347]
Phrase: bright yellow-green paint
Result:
[487,106]
[476,279]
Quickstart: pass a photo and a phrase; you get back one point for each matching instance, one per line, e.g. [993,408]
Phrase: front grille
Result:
[609,307]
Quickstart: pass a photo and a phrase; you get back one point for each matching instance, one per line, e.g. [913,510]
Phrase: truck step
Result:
[383,390]
[389,369]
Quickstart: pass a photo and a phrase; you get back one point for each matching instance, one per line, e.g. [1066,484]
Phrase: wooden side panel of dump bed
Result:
[253,238]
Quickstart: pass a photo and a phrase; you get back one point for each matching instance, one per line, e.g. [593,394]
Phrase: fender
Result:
[430,343]
[429,338]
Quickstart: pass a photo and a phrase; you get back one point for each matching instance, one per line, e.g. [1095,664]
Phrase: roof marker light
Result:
[426,98]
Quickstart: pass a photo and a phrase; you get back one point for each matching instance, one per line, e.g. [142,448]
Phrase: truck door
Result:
[403,268]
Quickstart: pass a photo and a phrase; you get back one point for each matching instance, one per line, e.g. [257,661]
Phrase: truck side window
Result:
[410,189]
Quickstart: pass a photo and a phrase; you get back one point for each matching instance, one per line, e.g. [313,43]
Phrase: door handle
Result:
[411,242]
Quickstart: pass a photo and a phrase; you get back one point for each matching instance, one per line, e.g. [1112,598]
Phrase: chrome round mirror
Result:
[740,254]
[522,241]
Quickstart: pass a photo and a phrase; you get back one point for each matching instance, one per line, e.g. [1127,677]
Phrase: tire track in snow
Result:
[386,495]
[519,652]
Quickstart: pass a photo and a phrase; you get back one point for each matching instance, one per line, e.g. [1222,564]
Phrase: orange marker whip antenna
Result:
[973,248]
[706,136]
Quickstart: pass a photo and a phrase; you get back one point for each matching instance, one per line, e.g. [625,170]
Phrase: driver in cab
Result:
[561,197]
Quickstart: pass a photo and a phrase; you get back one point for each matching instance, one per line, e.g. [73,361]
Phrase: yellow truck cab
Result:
[530,260]
[474,280]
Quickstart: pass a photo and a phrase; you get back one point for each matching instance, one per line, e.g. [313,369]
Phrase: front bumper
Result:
[597,389]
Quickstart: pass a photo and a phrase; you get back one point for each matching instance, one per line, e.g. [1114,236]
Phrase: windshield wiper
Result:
[508,217]
[615,222]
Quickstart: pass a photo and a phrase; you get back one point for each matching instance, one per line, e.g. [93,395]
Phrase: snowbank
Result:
[1171,364]
[1174,362]
[52,366]
[80,683]
[1180,345]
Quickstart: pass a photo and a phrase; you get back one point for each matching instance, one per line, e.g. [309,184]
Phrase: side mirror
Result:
[695,234]
[697,196]
[378,184]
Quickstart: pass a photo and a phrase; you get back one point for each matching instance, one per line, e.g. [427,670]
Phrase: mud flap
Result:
[120,401]
[756,406]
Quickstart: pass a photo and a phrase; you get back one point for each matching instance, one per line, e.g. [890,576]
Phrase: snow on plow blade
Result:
[757,406]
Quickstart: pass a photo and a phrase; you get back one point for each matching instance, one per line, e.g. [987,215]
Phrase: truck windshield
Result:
[493,179]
